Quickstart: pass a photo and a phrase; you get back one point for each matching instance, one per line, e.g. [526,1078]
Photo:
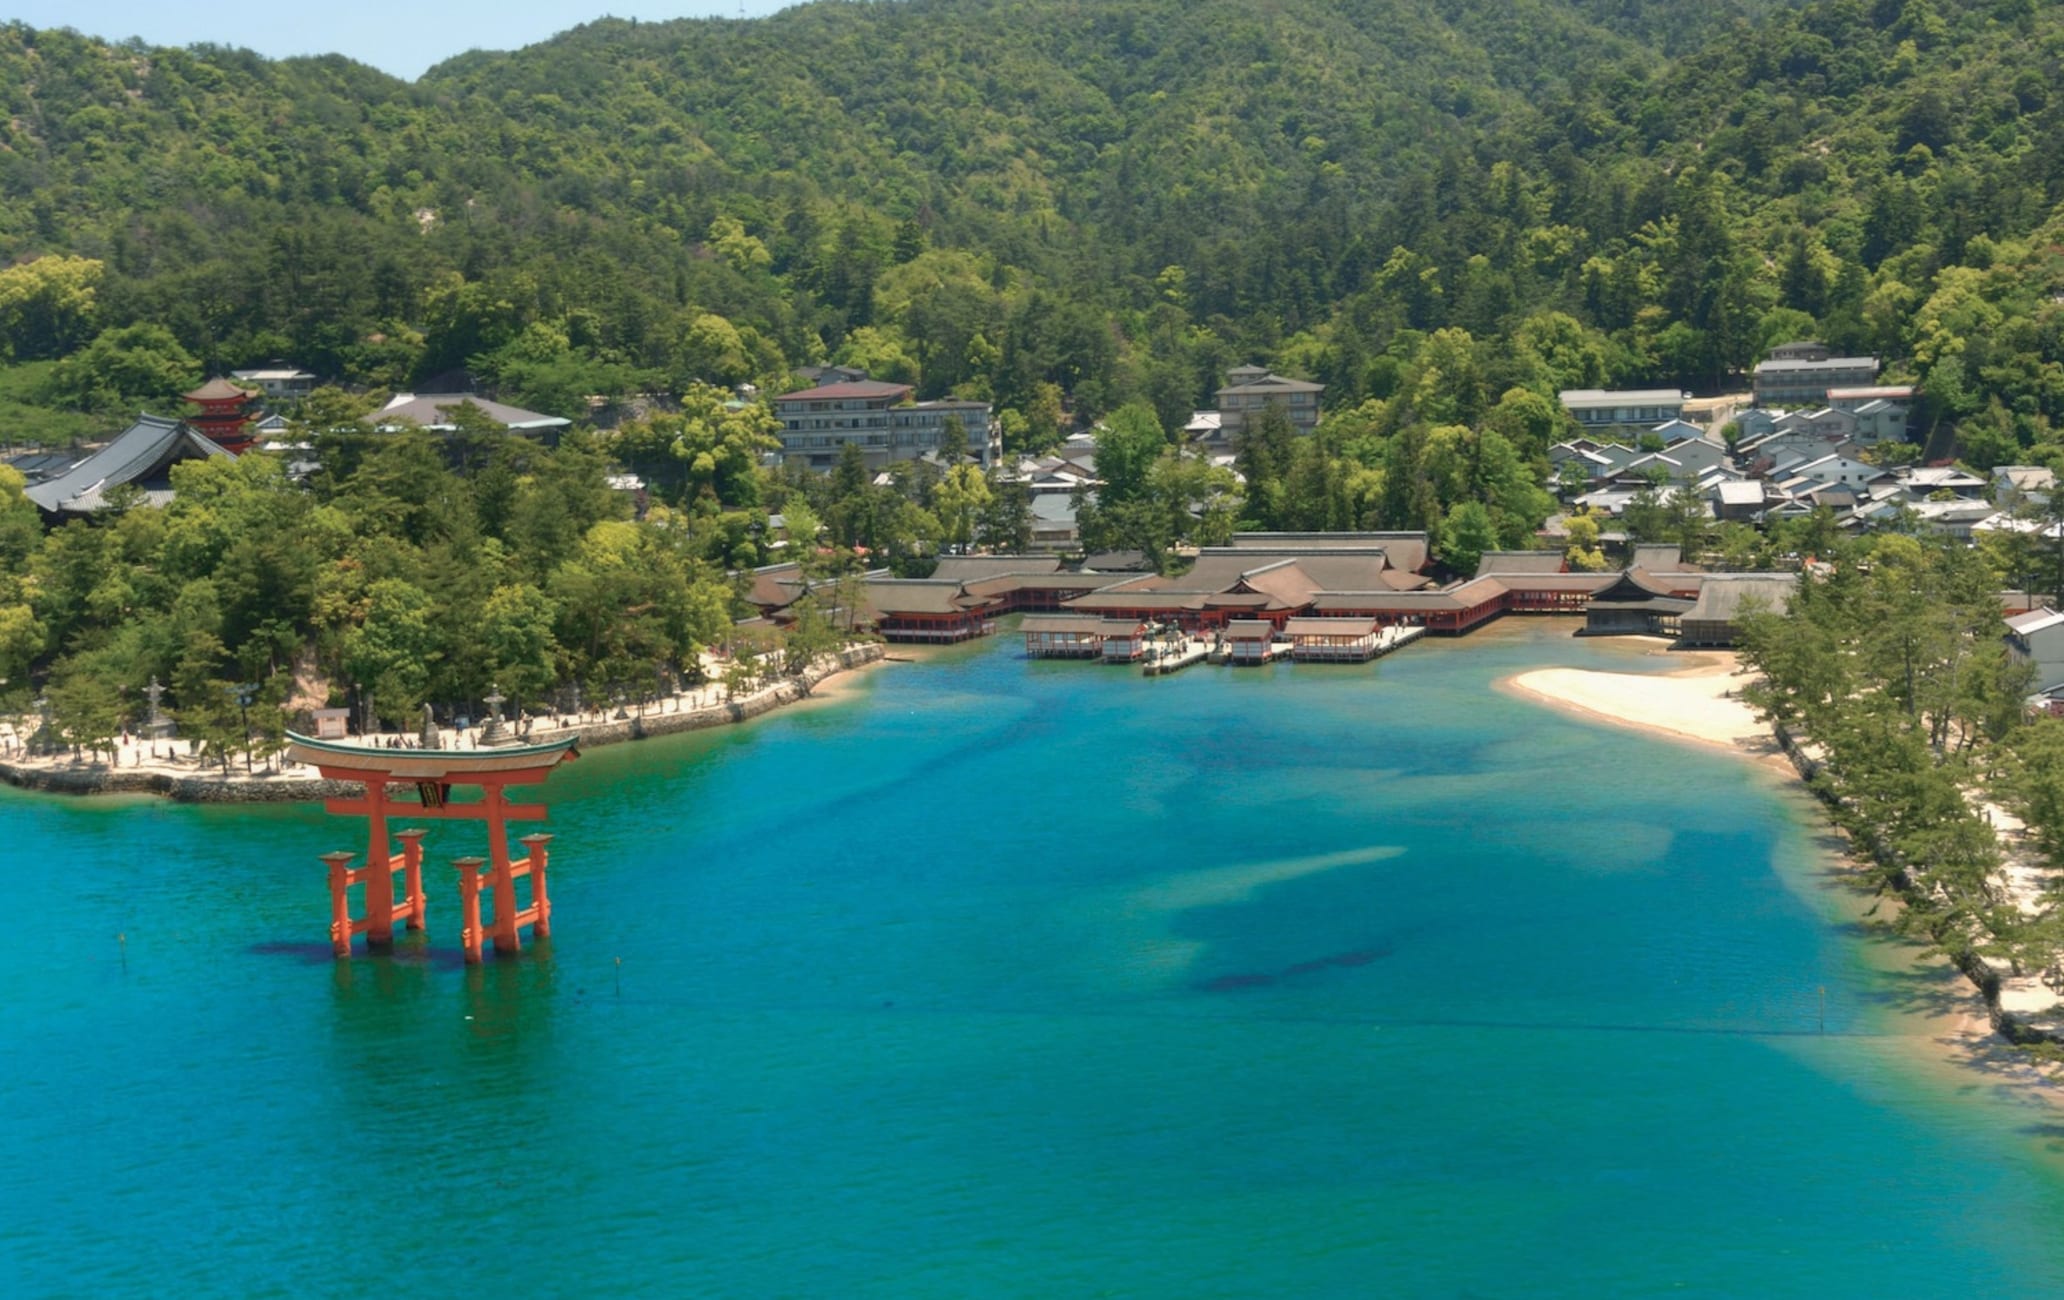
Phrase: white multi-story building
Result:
[1622,413]
[1249,389]
[818,423]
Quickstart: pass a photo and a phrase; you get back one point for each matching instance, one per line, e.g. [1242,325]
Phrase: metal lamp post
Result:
[243,693]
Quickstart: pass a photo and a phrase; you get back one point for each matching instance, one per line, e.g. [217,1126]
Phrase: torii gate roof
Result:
[449,766]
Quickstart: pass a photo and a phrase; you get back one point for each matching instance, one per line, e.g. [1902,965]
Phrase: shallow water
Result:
[1010,978]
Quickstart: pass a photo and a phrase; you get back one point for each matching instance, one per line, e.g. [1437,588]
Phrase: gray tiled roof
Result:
[140,454]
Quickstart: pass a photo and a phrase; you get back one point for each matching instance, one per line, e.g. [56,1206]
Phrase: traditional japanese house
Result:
[1403,550]
[1250,640]
[1536,582]
[1636,604]
[921,609]
[1042,592]
[1333,640]
[1450,610]
[1220,586]
[1227,583]
[774,587]
[1714,618]
[1064,636]
[1125,639]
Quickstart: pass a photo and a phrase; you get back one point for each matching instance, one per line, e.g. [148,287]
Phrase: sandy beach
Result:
[1941,1013]
[1698,701]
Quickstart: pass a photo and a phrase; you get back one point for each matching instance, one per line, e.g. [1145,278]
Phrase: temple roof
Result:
[1297,627]
[1722,596]
[431,411]
[920,596]
[856,390]
[1403,550]
[142,454]
[974,568]
[1633,586]
[1516,562]
[1077,624]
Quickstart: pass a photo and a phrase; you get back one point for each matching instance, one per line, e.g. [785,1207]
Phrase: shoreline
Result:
[195,783]
[1958,1027]
[1695,702]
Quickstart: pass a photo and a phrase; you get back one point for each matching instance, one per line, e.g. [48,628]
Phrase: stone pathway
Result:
[176,758]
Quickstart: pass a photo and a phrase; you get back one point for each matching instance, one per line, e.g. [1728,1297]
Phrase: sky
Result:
[396,36]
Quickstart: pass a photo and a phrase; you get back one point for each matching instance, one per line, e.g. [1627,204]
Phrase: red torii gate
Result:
[434,772]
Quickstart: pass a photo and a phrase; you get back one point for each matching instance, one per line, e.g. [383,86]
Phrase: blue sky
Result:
[402,38]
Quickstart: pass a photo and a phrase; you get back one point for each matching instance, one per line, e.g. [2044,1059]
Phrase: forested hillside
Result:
[1117,198]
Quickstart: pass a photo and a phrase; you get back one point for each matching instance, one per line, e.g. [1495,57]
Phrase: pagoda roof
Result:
[219,389]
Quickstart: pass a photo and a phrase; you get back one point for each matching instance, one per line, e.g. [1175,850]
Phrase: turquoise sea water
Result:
[1003,978]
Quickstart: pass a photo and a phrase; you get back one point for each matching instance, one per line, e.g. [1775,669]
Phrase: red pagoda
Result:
[222,419]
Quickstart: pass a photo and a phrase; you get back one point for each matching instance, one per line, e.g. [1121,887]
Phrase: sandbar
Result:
[1700,701]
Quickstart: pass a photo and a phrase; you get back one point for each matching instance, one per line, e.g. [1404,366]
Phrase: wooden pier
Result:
[1161,660]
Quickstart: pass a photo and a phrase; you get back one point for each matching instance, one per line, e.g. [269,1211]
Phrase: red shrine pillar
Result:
[340,902]
[412,876]
[540,900]
[469,907]
[379,885]
[504,877]
[499,878]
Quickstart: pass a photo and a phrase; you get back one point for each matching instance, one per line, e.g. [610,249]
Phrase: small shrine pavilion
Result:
[223,418]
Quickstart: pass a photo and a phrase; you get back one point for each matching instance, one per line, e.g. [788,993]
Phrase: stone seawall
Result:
[1963,955]
[98,778]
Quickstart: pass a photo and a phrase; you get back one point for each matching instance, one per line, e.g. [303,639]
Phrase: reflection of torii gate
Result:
[434,772]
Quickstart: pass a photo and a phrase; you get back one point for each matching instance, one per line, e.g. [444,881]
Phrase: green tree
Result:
[1465,535]
[1127,445]
[393,648]
[124,367]
[516,639]
[47,305]
[962,497]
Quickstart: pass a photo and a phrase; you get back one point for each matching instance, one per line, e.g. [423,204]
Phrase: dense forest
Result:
[1444,210]
[988,196]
